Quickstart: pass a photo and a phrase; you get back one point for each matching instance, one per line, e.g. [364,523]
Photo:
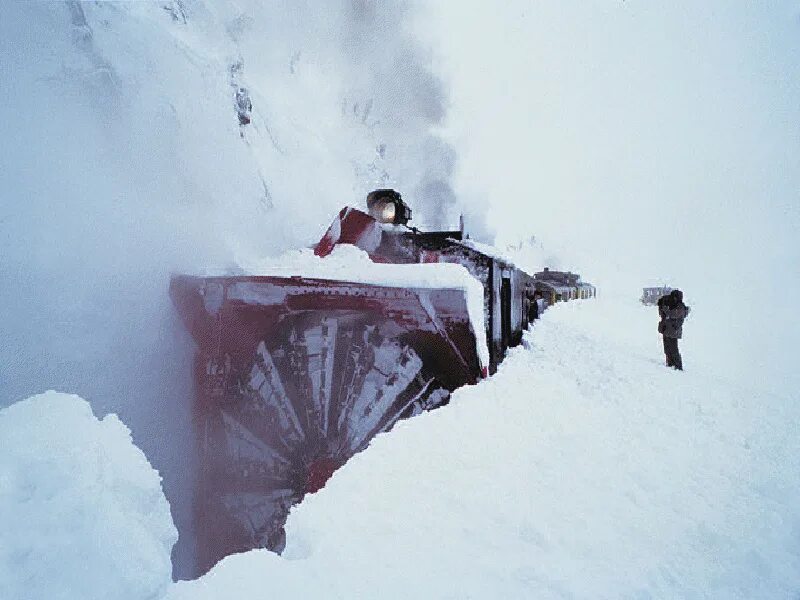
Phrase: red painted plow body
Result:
[294,376]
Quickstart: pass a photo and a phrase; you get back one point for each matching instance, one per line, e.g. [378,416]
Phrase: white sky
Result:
[641,141]
[653,140]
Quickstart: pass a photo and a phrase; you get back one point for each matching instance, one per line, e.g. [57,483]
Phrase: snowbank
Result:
[349,263]
[583,469]
[82,514]
[123,161]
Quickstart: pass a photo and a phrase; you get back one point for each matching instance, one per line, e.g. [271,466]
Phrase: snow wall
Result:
[124,160]
[82,511]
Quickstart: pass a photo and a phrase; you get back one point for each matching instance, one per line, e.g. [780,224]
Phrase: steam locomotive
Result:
[294,375]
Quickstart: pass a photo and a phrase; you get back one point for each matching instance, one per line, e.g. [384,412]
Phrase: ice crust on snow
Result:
[582,469]
[82,513]
[351,264]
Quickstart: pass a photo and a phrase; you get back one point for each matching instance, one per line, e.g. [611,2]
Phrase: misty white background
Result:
[666,134]
[642,143]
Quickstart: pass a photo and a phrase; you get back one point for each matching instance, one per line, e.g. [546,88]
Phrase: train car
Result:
[297,373]
[562,286]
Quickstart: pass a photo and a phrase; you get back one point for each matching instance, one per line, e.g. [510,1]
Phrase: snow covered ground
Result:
[583,469]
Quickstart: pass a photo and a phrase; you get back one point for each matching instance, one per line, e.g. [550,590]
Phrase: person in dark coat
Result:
[673,312]
[662,303]
[534,307]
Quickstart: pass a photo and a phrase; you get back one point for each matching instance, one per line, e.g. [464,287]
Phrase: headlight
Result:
[387,206]
[384,211]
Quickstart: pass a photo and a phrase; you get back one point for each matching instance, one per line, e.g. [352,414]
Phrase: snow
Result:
[488,250]
[82,513]
[123,161]
[349,263]
[583,469]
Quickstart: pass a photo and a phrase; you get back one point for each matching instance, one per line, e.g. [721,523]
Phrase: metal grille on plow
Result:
[279,421]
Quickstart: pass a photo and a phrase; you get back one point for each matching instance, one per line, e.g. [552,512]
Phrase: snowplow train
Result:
[294,374]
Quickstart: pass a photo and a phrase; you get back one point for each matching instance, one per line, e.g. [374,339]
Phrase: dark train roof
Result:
[566,278]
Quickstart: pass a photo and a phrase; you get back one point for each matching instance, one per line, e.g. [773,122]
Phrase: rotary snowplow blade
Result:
[294,376]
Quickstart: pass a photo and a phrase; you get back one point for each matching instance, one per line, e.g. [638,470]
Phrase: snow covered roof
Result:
[351,264]
[487,249]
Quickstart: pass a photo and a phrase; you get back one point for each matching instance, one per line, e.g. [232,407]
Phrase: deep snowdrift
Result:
[584,469]
[82,514]
[123,160]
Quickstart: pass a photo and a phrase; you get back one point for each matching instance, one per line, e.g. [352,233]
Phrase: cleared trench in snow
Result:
[583,468]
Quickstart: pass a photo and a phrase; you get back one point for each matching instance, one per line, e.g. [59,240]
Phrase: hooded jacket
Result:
[673,312]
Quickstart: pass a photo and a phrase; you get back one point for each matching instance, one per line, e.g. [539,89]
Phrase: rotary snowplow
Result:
[300,366]
[294,374]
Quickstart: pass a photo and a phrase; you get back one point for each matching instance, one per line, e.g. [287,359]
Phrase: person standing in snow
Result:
[533,311]
[662,307]
[672,311]
[540,302]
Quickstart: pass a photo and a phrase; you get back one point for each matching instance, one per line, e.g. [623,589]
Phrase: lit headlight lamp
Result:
[386,206]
